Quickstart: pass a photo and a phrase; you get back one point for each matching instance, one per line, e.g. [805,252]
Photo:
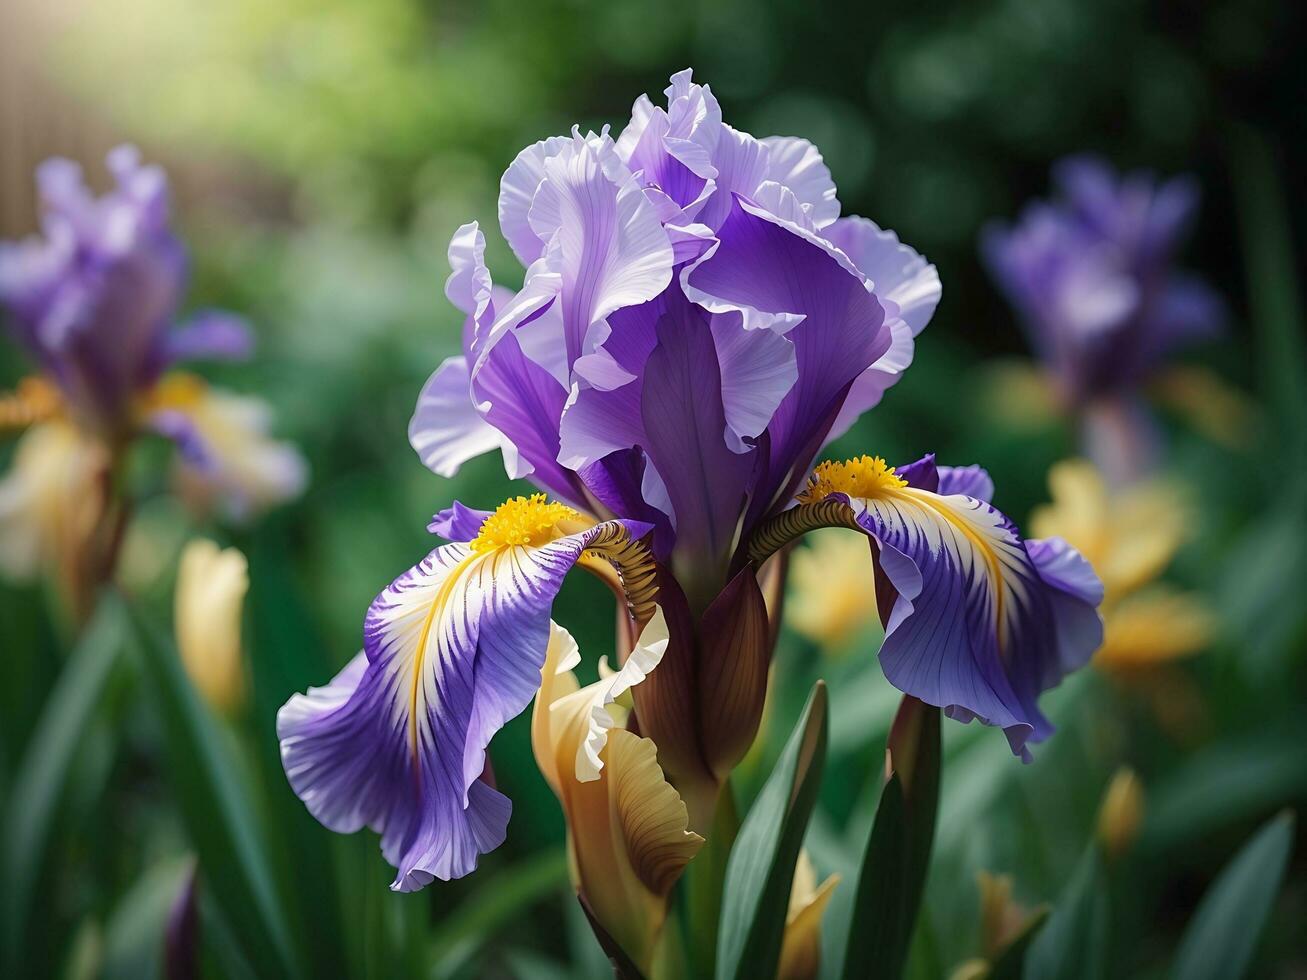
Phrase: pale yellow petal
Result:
[51,500]
[652,817]
[210,594]
[801,946]
[643,658]
[1154,627]
[1078,511]
[832,591]
[1121,813]
[556,682]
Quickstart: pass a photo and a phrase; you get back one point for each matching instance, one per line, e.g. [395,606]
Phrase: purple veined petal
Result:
[685,435]
[469,286]
[870,386]
[689,242]
[453,650]
[597,422]
[446,429]
[798,165]
[517,190]
[612,249]
[970,481]
[898,273]
[764,264]
[783,204]
[672,149]
[458,523]
[618,481]
[922,474]
[741,162]
[758,369]
[524,402]
[981,625]
[211,335]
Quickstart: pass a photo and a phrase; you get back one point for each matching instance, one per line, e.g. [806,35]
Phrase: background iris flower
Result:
[1093,277]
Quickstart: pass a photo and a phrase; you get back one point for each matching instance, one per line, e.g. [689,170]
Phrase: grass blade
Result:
[42,777]
[216,809]
[1222,936]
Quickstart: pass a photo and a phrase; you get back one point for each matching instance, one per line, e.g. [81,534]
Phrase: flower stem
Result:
[704,879]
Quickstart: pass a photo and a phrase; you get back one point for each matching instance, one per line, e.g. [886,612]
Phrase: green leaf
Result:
[760,870]
[897,857]
[1071,945]
[1222,936]
[285,656]
[216,809]
[1010,962]
[41,782]
[134,933]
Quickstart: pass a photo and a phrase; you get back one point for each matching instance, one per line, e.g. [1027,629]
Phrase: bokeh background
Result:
[323,151]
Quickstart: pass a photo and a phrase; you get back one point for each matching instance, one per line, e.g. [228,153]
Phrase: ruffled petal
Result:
[446,430]
[797,164]
[612,250]
[769,267]
[454,649]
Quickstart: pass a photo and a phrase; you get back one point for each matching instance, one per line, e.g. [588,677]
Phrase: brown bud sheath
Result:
[666,708]
[735,651]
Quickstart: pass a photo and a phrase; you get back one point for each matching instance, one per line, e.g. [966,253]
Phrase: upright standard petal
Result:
[981,621]
[612,250]
[797,164]
[775,268]
[453,650]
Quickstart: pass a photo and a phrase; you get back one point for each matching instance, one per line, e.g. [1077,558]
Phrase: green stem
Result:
[704,879]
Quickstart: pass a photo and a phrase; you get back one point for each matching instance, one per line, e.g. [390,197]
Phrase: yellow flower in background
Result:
[832,591]
[1003,920]
[210,594]
[1121,813]
[1130,538]
[801,947]
[627,833]
[51,501]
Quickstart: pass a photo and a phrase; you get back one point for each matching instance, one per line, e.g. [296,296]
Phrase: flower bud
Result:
[1121,813]
[211,587]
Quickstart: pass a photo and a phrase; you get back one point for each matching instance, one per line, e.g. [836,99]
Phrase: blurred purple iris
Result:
[96,298]
[1093,278]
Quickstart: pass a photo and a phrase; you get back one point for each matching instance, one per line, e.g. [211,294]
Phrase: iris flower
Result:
[95,301]
[1093,277]
[697,321]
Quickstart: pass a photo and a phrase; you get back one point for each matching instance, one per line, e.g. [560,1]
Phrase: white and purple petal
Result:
[397,742]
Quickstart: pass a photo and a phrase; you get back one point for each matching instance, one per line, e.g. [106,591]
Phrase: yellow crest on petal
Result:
[526,522]
[864,477]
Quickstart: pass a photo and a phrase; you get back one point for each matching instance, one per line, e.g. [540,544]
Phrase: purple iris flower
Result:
[95,299]
[695,324]
[1093,278]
